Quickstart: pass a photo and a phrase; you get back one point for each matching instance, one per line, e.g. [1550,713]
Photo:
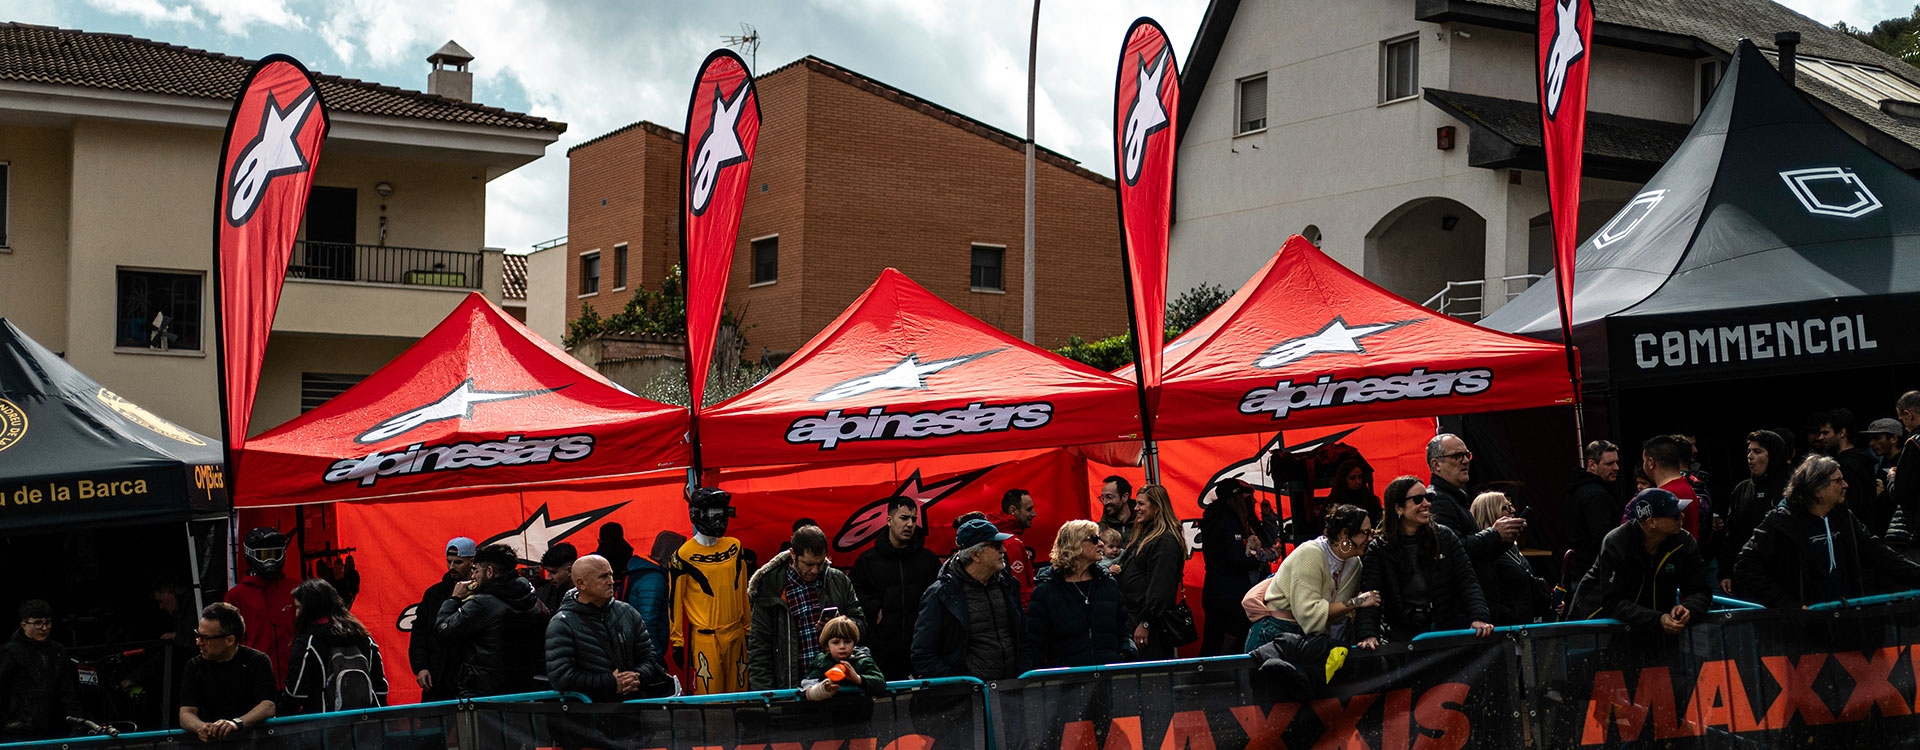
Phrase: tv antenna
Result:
[748,41]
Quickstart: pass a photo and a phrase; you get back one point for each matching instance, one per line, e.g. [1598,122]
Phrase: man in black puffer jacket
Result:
[1814,548]
[970,620]
[598,645]
[1593,508]
[495,622]
[889,580]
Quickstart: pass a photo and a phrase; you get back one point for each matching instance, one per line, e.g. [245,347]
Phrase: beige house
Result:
[1403,136]
[107,153]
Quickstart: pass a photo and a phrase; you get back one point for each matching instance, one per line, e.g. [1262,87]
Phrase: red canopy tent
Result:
[1307,343]
[903,374]
[478,405]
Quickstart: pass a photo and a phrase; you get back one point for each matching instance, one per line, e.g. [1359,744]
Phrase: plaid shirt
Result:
[803,604]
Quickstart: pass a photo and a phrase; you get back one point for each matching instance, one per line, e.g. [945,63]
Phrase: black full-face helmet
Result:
[710,508]
[266,550]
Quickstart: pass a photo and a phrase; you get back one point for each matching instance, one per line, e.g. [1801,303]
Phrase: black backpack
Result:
[349,671]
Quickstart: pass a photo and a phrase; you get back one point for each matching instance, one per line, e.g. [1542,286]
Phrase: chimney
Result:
[450,77]
[1789,44]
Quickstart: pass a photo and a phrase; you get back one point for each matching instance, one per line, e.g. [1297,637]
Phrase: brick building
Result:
[852,176]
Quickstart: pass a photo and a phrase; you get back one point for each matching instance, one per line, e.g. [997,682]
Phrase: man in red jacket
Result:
[1015,517]
[265,596]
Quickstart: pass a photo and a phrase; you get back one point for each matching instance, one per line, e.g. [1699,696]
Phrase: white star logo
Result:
[274,151]
[457,404]
[719,147]
[1335,337]
[539,533]
[1145,116]
[906,375]
[1566,50]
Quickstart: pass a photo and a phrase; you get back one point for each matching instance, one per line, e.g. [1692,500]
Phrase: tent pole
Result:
[1150,451]
[193,564]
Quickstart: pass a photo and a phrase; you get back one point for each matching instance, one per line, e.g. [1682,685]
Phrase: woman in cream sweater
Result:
[1318,586]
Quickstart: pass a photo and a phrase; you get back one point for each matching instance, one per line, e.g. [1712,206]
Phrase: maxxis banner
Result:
[267,162]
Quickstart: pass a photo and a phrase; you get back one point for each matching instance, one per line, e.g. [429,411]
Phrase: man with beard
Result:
[497,625]
[1592,500]
[889,580]
[1015,517]
[1859,464]
[434,665]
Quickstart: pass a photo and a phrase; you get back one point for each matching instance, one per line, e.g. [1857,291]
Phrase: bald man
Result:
[597,645]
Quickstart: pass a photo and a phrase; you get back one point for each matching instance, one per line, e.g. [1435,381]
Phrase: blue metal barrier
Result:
[1133,666]
[1528,628]
[1728,602]
[282,721]
[1865,601]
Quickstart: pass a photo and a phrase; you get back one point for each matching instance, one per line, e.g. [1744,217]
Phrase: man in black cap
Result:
[434,665]
[1649,572]
[1883,439]
[970,620]
[557,562]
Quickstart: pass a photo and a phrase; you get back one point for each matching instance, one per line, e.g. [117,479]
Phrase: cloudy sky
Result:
[599,65]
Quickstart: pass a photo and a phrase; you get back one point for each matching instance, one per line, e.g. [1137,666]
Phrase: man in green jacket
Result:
[791,597]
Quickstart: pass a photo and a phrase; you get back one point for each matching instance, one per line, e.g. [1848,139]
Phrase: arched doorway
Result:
[1418,247]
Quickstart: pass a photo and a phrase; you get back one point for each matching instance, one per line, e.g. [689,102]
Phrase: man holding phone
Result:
[792,596]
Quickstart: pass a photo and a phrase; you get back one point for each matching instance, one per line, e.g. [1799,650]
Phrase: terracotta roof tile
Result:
[65,57]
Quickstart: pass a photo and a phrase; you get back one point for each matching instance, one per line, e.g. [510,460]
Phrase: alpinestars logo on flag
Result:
[719,147]
[1335,337]
[909,374]
[274,151]
[870,521]
[1145,116]
[1567,49]
[457,404]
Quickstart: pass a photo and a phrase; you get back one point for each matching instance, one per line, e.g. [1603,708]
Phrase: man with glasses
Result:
[228,687]
[1449,459]
[970,621]
[791,597]
[39,688]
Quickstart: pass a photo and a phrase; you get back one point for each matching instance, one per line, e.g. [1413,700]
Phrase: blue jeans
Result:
[1269,628]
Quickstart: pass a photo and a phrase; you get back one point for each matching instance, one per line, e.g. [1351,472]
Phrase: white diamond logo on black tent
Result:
[1630,216]
[1831,191]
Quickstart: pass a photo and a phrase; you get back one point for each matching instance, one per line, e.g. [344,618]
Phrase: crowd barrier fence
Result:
[1839,675]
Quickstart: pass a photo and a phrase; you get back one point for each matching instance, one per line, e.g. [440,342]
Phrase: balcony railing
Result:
[377,264]
[1467,299]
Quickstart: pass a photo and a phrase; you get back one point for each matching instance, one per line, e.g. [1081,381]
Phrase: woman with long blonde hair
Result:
[1150,576]
[1077,616]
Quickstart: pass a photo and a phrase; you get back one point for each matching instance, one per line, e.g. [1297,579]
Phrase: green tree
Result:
[657,312]
[1898,36]
[1184,312]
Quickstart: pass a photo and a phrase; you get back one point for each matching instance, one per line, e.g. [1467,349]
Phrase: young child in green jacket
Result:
[851,664]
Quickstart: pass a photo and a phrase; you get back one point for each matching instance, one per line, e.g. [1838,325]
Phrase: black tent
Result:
[1771,243]
[74,455]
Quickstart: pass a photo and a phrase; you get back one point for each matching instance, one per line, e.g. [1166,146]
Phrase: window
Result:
[1707,76]
[766,260]
[1868,83]
[317,387]
[619,266]
[5,203]
[1400,69]
[590,273]
[1253,105]
[988,262]
[158,310]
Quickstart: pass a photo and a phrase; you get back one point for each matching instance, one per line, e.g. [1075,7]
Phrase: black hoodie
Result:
[1593,509]
[38,688]
[500,630]
[889,581]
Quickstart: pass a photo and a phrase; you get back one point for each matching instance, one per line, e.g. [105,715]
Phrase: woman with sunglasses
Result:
[1077,616]
[1422,572]
[1318,586]
[1514,596]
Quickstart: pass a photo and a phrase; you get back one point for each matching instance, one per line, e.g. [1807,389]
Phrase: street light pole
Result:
[1026,277]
